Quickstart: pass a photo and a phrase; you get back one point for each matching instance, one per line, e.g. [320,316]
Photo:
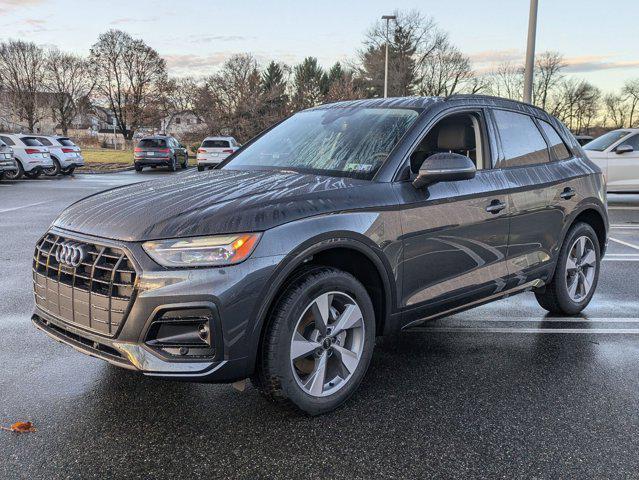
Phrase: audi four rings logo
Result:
[70,254]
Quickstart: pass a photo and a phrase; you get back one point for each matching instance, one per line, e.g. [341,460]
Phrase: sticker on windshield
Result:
[358,167]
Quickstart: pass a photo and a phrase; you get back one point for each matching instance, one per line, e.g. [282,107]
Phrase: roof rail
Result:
[489,97]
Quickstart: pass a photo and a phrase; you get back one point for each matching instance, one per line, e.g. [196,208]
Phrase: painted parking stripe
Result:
[5,210]
[542,320]
[627,244]
[623,208]
[582,331]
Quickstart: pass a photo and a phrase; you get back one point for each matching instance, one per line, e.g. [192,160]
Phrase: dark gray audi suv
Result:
[341,223]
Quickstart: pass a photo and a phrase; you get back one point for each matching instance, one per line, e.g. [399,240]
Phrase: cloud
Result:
[595,63]
[7,6]
[127,20]
[496,56]
[192,64]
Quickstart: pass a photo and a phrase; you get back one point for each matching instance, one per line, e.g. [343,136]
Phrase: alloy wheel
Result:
[327,344]
[581,266]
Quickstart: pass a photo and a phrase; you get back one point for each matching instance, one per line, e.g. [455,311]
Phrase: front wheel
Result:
[576,274]
[319,343]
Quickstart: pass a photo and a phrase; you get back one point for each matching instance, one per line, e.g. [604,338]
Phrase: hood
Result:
[213,202]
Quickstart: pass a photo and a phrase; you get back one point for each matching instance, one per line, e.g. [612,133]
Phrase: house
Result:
[180,123]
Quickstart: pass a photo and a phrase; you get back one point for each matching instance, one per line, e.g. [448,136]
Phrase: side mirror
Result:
[444,167]
[625,148]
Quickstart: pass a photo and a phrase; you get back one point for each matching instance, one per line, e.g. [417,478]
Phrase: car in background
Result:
[583,139]
[617,154]
[160,151]
[7,163]
[31,157]
[214,150]
[65,155]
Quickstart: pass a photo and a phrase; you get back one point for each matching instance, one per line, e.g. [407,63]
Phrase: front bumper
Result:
[231,294]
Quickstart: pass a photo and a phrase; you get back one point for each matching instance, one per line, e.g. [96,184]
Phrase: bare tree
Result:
[616,112]
[445,72]
[22,77]
[577,103]
[129,75]
[548,67]
[507,80]
[631,91]
[69,81]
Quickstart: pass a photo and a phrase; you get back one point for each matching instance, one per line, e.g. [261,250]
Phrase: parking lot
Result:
[498,391]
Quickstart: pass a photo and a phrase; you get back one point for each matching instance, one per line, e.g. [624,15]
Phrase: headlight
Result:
[216,251]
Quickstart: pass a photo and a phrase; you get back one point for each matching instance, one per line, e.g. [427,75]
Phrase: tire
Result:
[68,170]
[15,174]
[562,295]
[33,174]
[138,168]
[52,172]
[173,164]
[293,381]
[185,165]
[200,168]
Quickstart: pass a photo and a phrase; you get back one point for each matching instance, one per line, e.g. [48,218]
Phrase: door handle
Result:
[568,193]
[495,207]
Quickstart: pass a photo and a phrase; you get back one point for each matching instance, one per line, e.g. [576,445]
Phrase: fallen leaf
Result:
[20,427]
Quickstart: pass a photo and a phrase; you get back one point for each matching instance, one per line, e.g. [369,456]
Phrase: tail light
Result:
[228,150]
[137,149]
[68,150]
[201,150]
[31,151]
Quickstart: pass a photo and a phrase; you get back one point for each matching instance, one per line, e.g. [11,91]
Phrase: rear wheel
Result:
[173,165]
[185,165]
[138,168]
[319,343]
[68,170]
[200,168]
[576,274]
[15,174]
[56,169]
[33,174]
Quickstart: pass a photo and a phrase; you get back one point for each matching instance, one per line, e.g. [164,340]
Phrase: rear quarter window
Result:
[66,142]
[215,144]
[521,141]
[7,141]
[45,142]
[557,145]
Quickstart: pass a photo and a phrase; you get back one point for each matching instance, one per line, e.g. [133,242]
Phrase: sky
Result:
[598,39]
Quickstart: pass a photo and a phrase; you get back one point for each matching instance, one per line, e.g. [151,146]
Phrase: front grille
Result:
[95,295]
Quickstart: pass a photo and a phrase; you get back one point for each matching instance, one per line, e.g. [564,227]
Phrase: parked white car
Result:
[617,154]
[32,158]
[65,154]
[215,149]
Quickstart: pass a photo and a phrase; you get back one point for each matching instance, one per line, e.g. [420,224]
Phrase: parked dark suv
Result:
[341,223]
[160,150]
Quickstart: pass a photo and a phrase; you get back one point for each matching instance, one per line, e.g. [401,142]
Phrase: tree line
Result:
[128,78]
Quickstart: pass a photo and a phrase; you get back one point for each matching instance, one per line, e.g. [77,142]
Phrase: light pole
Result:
[530,52]
[388,18]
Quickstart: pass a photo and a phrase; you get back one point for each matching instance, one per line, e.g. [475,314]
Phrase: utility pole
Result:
[388,18]
[530,52]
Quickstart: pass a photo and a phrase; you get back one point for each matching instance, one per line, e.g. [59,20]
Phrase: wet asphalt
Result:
[501,391]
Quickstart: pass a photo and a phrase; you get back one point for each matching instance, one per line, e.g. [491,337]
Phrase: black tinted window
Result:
[558,147]
[66,142]
[31,142]
[215,144]
[521,140]
[152,143]
[7,140]
[45,142]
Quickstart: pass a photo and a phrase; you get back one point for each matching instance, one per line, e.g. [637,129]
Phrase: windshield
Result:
[599,144]
[338,141]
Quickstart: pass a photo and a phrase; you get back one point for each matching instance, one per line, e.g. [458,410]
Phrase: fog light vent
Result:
[182,333]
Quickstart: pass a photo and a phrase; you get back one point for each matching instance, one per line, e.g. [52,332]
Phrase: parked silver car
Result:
[65,155]
[7,164]
[32,158]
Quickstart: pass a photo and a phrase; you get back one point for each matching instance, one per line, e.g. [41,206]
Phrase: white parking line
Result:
[631,245]
[544,320]
[625,227]
[529,330]
[623,208]
[5,210]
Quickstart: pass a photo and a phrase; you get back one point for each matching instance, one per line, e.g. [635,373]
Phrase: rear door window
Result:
[152,143]
[557,145]
[215,144]
[521,141]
